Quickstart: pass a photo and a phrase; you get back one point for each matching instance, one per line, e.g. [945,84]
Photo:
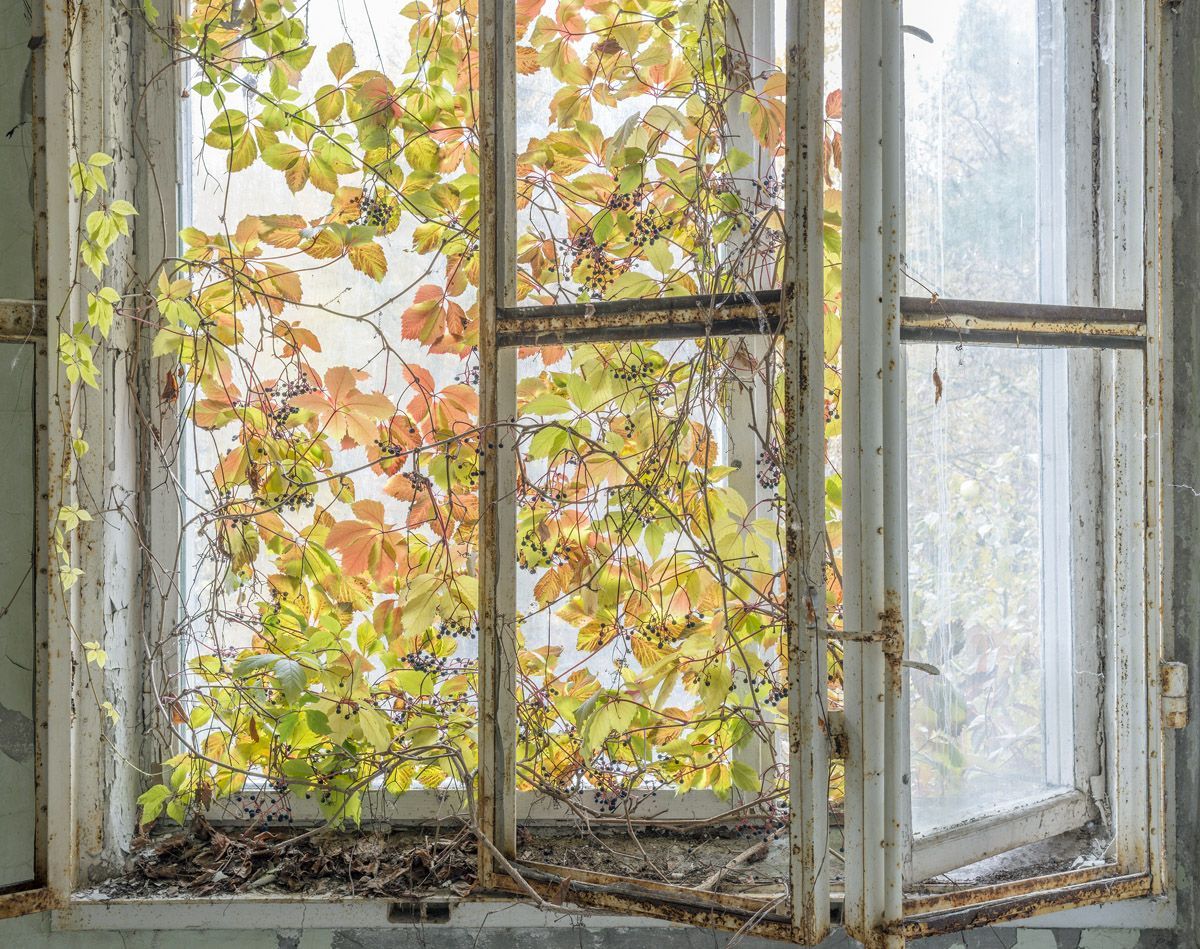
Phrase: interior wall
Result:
[16,280]
[17,801]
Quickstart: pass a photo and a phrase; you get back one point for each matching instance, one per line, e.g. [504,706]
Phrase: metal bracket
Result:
[1173,678]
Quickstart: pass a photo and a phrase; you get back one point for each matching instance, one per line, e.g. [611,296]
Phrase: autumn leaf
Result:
[343,411]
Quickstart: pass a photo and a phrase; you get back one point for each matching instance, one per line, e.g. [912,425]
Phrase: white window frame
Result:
[94,803]
[1073,688]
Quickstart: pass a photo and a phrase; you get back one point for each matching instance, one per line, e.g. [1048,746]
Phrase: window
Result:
[593,435]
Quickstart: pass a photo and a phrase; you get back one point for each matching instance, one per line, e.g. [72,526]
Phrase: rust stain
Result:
[892,627]
[721,911]
[23,902]
[1063,893]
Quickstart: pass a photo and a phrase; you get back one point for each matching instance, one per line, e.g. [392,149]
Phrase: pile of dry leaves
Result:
[203,860]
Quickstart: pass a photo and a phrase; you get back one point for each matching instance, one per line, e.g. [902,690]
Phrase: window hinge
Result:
[1173,677]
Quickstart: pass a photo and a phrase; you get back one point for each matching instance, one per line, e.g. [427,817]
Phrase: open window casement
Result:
[730,349]
[985,609]
[1001,553]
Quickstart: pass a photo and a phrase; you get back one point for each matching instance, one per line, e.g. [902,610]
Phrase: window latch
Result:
[1173,677]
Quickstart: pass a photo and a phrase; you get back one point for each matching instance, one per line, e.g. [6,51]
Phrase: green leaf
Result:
[546,404]
[376,727]
[745,777]
[153,801]
[341,59]
[291,678]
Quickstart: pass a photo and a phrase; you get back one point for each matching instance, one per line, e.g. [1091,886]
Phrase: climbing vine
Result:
[325,641]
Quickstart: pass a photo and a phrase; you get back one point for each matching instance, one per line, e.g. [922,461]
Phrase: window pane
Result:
[984,150]
[650,142]
[18,576]
[329,458]
[989,579]
[653,682]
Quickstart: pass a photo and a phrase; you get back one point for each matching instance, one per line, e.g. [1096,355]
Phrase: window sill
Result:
[301,913]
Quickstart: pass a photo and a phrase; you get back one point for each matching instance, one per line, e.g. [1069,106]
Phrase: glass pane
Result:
[653,681]
[984,146]
[18,575]
[650,140]
[328,582]
[989,579]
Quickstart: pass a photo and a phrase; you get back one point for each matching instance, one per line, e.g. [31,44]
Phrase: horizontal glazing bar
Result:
[748,314]
[1047,894]
[732,314]
[22,319]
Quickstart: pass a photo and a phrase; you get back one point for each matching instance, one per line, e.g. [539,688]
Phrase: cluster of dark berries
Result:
[831,410]
[769,473]
[533,553]
[627,201]
[390,449]
[768,188]
[269,807]
[292,501]
[280,416]
[601,269]
[289,390]
[457,629]
[375,211]
[635,370]
[422,661]
[647,227]
[472,472]
[609,800]
[469,376]
[777,694]
[419,481]
[623,425]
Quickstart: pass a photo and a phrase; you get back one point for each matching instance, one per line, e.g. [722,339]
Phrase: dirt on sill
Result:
[204,860]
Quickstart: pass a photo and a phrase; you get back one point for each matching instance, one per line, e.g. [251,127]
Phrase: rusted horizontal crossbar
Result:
[677,904]
[1020,324]
[1055,892]
[747,314]
[731,314]
[15,901]
[21,320]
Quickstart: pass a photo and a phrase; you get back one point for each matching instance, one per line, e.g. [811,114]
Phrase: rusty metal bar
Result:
[935,898]
[695,908]
[22,320]
[1021,324]
[614,883]
[923,320]
[21,902]
[732,314]
[1050,897]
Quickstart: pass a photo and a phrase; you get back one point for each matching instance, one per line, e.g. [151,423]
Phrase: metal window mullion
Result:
[748,403]
[1157,451]
[497,411]
[897,819]
[870,245]
[1128,200]
[804,468]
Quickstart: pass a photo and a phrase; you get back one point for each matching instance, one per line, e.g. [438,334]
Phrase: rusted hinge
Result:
[1173,677]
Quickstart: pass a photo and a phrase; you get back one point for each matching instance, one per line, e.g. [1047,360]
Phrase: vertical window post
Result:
[872,457]
[497,413]
[804,467]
